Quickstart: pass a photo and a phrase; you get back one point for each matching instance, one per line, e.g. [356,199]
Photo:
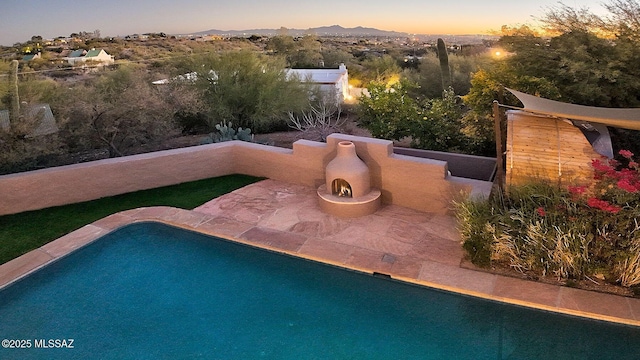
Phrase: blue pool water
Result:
[150,291]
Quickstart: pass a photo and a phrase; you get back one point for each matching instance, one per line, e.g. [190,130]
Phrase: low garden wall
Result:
[418,183]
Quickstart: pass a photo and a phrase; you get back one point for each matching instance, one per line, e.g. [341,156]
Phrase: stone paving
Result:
[406,244]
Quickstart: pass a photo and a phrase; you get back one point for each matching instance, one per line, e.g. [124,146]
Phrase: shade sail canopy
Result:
[621,118]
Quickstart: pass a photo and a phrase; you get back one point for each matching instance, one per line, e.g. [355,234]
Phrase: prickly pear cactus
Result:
[244,135]
[225,132]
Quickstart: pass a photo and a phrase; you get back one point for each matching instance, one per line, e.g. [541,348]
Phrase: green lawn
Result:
[23,232]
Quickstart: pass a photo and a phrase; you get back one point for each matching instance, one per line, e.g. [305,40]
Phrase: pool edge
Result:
[30,262]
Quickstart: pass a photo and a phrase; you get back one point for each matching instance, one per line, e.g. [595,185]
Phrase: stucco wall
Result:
[418,183]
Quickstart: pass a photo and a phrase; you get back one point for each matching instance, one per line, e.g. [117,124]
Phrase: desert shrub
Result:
[20,153]
[475,220]
[323,118]
[570,233]
[249,90]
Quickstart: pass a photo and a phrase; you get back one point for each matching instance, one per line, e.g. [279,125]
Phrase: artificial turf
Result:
[23,232]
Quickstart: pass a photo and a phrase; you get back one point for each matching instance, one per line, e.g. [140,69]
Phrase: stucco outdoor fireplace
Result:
[347,190]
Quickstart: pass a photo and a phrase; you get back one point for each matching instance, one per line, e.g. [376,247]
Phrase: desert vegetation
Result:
[581,234]
[588,231]
[116,110]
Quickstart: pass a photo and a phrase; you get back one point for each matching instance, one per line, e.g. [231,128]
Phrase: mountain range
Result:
[359,31]
[334,30]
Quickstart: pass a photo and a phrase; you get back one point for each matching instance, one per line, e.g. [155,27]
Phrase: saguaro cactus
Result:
[444,65]
[14,105]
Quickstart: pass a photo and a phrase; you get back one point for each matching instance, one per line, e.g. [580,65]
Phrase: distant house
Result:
[99,55]
[78,53]
[327,79]
[45,123]
[31,57]
[75,56]
[137,37]
[94,55]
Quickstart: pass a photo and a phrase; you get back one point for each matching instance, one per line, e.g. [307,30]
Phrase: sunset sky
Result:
[21,19]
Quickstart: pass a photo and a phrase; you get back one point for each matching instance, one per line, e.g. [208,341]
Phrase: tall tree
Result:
[332,58]
[585,66]
[281,44]
[250,91]
[589,60]
[303,52]
[307,53]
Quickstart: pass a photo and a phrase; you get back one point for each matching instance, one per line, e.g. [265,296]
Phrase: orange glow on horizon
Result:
[444,28]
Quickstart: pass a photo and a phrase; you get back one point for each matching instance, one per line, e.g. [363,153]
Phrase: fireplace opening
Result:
[341,187]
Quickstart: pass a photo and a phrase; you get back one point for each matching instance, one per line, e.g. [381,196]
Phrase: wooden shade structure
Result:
[614,117]
[554,141]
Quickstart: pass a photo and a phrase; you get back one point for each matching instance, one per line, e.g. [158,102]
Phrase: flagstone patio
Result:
[405,244]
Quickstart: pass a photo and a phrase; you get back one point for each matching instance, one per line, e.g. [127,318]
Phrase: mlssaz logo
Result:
[53,343]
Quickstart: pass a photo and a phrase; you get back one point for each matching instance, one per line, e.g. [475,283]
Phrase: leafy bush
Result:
[570,233]
[386,112]
[433,124]
[441,126]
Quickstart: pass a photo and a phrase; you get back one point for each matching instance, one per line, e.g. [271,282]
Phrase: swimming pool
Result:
[153,291]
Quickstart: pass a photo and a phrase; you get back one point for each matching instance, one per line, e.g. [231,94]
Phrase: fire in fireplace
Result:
[341,187]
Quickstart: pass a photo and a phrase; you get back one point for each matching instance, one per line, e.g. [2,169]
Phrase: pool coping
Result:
[451,278]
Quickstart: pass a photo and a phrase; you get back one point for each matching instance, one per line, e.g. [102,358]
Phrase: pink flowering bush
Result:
[574,232]
[603,205]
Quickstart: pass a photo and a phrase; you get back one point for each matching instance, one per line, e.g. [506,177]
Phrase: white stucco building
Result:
[326,79]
